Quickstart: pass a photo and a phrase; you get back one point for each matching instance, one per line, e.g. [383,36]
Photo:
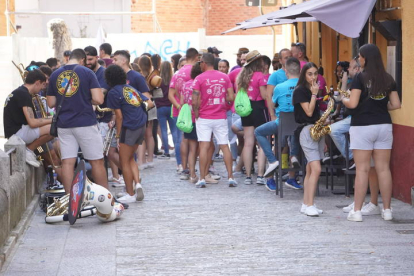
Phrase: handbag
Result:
[53,126]
[157,93]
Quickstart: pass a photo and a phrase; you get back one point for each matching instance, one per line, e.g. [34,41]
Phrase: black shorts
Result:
[192,135]
[132,137]
[259,115]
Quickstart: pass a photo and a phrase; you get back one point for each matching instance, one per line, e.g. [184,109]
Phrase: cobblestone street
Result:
[181,230]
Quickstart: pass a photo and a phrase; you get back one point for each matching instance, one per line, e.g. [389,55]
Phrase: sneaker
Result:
[311,211]
[164,156]
[179,169]
[351,165]
[121,194]
[31,158]
[194,180]
[210,180]
[295,162]
[291,183]
[386,214]
[285,177]
[117,182]
[304,206]
[184,176]
[218,158]
[271,184]
[354,216]
[143,167]
[127,198]
[214,175]
[260,180]
[326,159]
[126,206]
[350,207]
[139,192]
[201,184]
[232,182]
[150,165]
[272,167]
[370,209]
[237,173]
[248,181]
[158,153]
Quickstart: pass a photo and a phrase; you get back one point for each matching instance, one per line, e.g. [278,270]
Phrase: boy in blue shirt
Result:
[282,97]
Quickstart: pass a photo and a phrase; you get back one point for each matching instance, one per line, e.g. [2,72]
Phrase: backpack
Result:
[242,104]
[184,119]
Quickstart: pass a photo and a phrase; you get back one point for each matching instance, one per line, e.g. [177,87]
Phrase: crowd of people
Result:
[96,93]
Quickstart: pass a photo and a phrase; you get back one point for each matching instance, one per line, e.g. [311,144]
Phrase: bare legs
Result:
[129,167]
[313,170]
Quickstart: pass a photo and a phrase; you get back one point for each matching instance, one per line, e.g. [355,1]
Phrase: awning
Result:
[347,17]
[268,23]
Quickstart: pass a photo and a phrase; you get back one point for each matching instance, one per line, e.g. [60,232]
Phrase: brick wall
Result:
[3,21]
[215,16]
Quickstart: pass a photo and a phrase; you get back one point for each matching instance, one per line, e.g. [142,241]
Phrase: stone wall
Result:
[19,188]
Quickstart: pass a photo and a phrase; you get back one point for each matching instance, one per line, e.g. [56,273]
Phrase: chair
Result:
[330,167]
[287,126]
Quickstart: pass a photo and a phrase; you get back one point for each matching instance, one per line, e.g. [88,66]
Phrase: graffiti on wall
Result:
[165,48]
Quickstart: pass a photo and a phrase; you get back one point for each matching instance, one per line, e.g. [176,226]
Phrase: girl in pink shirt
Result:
[253,81]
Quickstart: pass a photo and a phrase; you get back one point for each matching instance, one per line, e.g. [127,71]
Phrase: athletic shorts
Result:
[218,127]
[371,137]
[132,137]
[313,149]
[259,115]
[192,135]
[28,134]
[87,138]
[103,129]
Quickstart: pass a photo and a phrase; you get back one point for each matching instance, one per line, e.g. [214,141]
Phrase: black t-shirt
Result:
[370,110]
[304,95]
[13,116]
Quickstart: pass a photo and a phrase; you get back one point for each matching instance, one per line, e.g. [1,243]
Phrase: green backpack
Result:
[184,119]
[242,104]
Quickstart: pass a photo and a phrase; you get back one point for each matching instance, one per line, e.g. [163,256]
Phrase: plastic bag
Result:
[242,104]
[184,119]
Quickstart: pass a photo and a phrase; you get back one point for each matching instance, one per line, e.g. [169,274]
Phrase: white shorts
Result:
[87,138]
[28,134]
[312,149]
[218,127]
[371,137]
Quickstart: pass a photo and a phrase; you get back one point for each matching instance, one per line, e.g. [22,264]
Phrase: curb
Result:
[18,232]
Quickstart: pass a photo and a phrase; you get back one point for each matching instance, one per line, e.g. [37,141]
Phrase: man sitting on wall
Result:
[19,118]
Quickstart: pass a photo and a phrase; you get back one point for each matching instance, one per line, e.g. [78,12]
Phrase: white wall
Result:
[35,25]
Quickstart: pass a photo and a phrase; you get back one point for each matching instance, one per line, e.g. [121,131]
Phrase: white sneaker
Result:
[210,180]
[370,209]
[31,158]
[179,169]
[354,216]
[143,167]
[232,182]
[127,198]
[215,176]
[386,214]
[295,162]
[304,206]
[311,211]
[150,165]
[139,192]
[350,207]
[272,167]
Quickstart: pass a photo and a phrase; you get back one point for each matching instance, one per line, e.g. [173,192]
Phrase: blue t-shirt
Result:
[282,97]
[137,81]
[104,117]
[129,100]
[77,108]
[277,77]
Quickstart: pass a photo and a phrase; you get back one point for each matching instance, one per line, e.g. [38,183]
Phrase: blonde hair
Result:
[145,65]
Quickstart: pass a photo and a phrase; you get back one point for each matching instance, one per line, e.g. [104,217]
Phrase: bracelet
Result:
[313,95]
[117,136]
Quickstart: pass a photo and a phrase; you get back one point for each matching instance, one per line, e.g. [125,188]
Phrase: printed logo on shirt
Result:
[62,82]
[8,99]
[131,96]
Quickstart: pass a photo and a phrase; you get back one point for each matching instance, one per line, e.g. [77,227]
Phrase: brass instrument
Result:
[108,139]
[319,129]
[58,207]
[346,94]
[22,70]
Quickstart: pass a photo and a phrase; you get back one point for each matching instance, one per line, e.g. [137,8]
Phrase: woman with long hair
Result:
[156,65]
[145,65]
[174,61]
[252,80]
[306,111]
[373,95]
[130,128]
[164,109]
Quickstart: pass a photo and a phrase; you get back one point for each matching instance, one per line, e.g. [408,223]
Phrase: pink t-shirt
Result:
[302,63]
[257,80]
[213,87]
[183,75]
[187,95]
[233,77]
